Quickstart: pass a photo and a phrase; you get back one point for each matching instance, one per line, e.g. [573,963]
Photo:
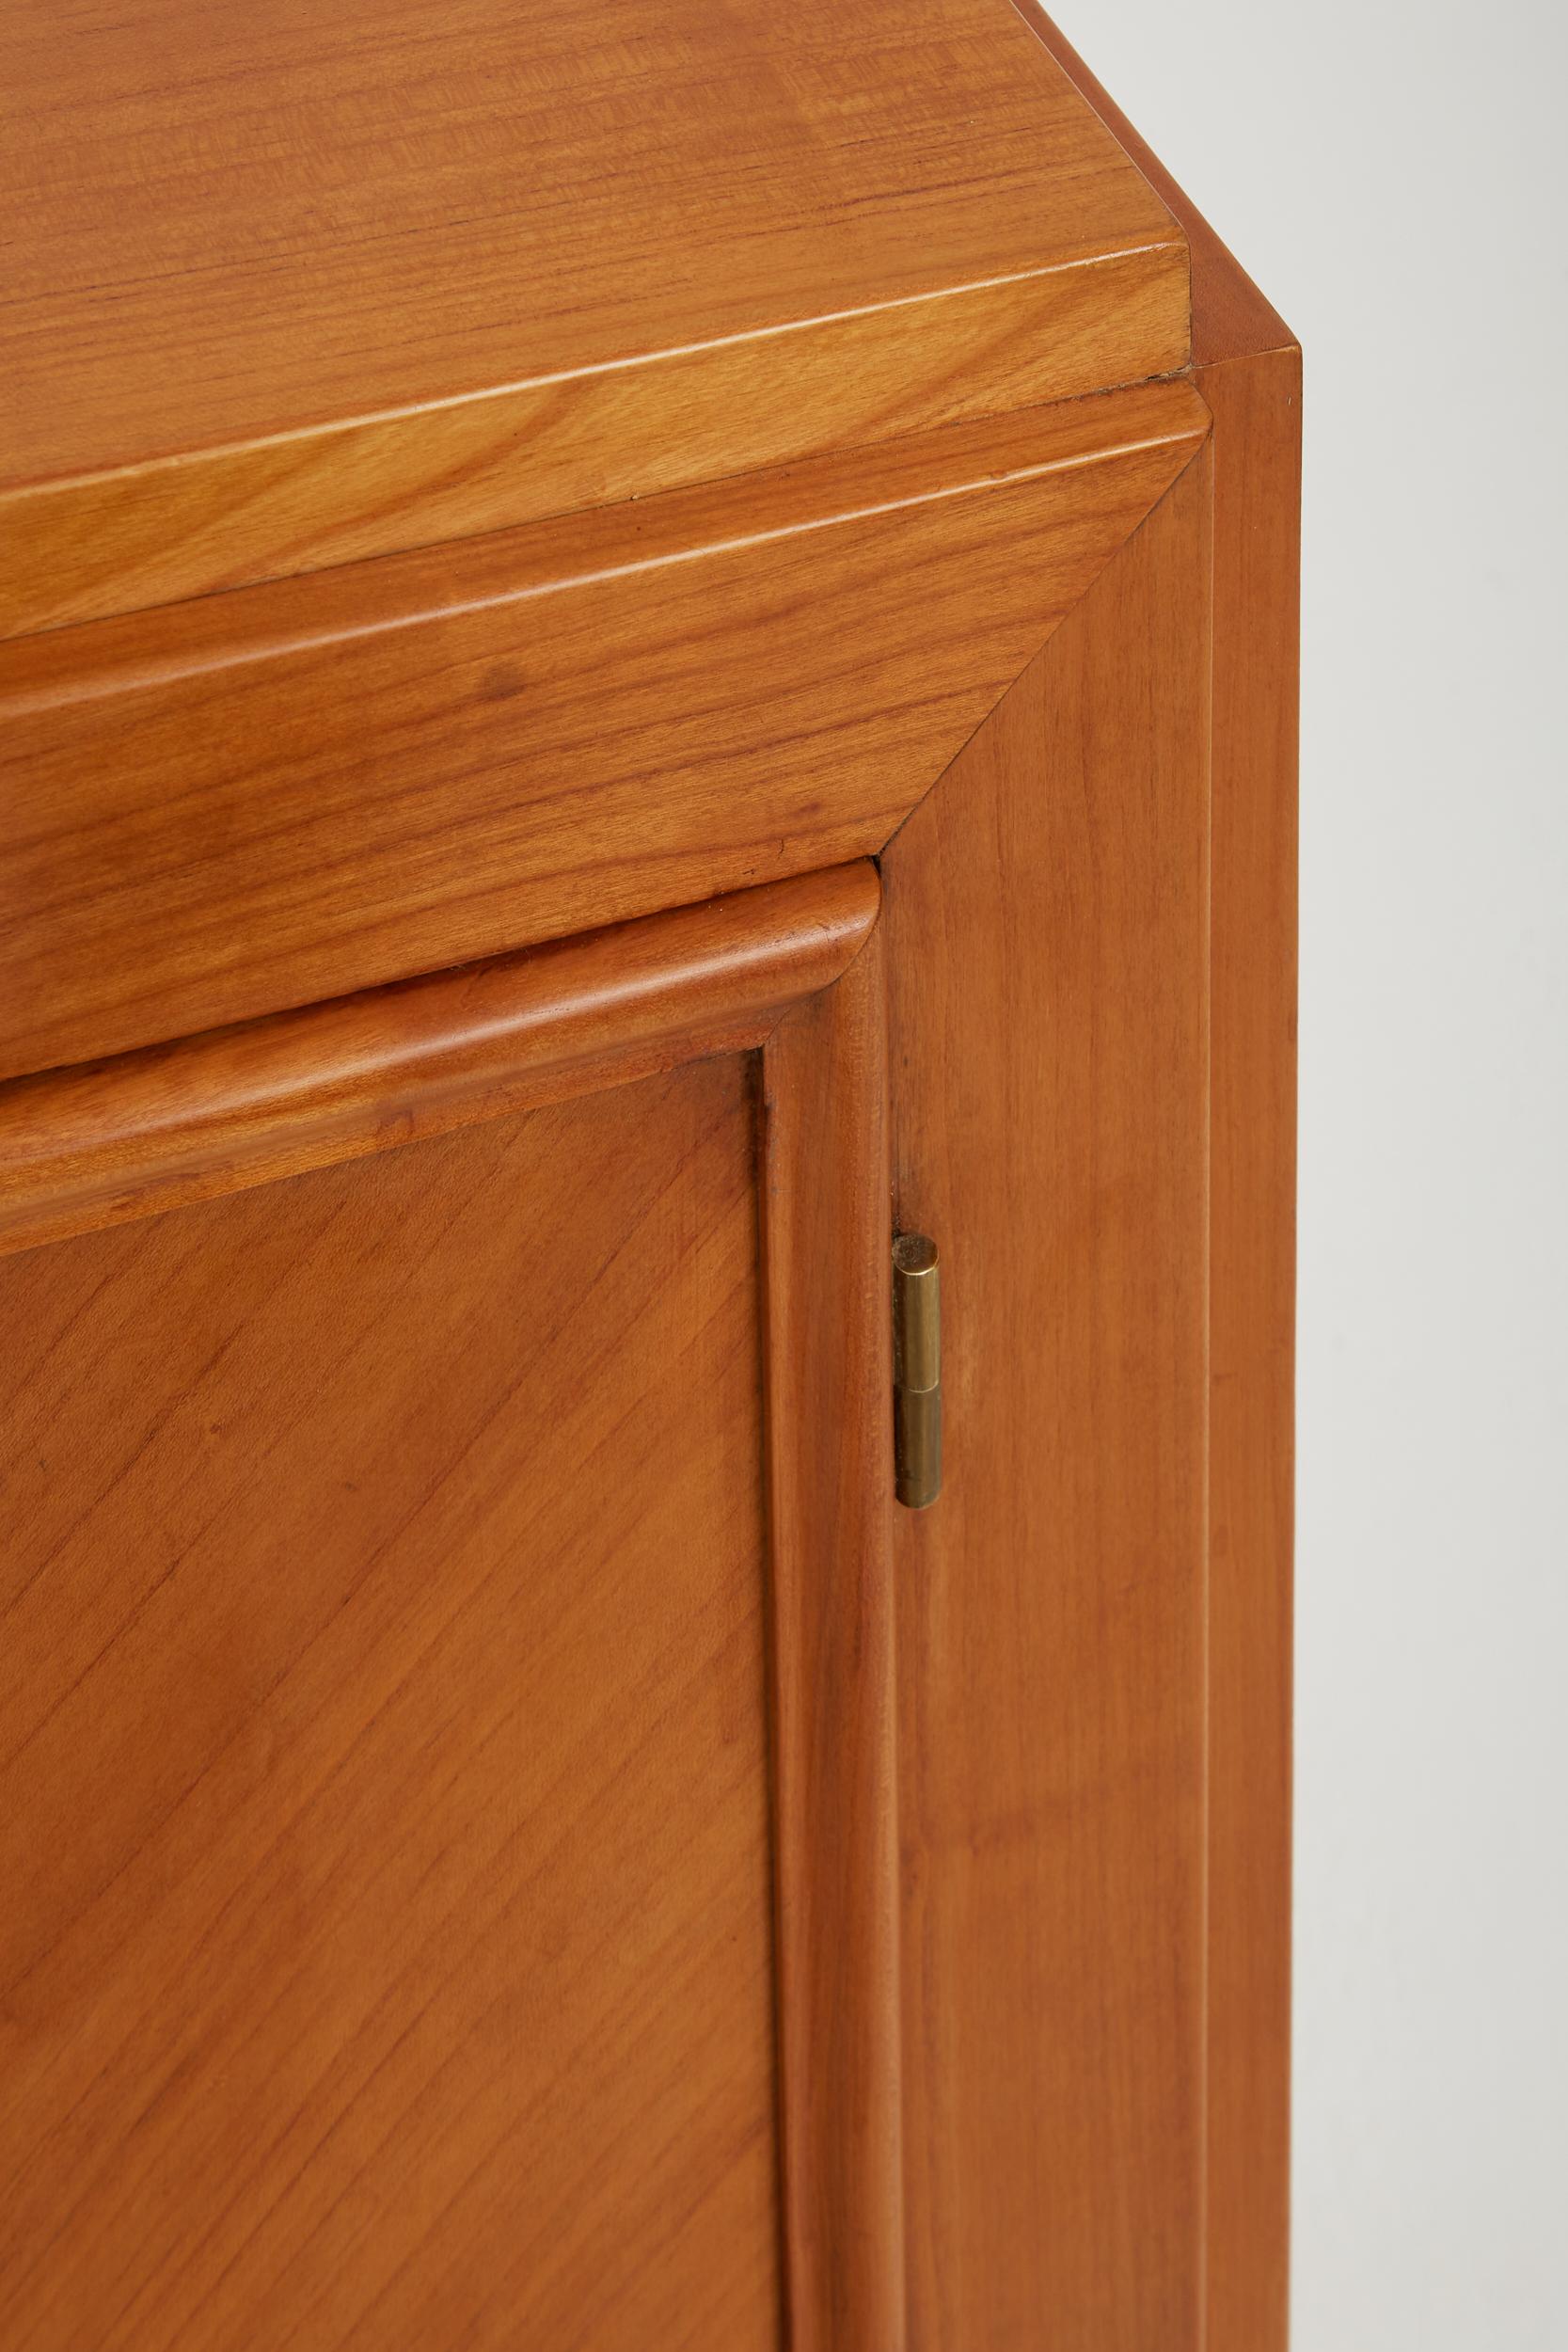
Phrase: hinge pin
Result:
[916,1370]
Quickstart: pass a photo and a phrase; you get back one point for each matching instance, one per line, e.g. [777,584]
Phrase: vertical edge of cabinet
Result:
[1047,919]
[1247,366]
[1256,404]
[826,1229]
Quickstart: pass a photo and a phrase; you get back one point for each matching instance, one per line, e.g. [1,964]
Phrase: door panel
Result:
[386,1952]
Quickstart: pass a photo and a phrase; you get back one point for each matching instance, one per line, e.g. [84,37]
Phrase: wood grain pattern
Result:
[1257,457]
[154,533]
[383,1811]
[1248,369]
[294,791]
[99,1143]
[1230,318]
[1046,912]
[297,288]
[386,1955]
[829,1376]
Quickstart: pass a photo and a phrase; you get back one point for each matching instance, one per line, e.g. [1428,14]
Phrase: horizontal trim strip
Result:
[225,809]
[155,1130]
[301,501]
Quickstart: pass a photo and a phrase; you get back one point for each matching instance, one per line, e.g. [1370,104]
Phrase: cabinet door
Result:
[391,1841]
[387,1942]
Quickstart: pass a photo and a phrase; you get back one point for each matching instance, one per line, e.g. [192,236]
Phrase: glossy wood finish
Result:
[152,535]
[1047,919]
[540,635]
[1230,318]
[146,1132]
[829,1376]
[833,1835]
[1257,409]
[1249,374]
[259,800]
[383,1813]
[298,288]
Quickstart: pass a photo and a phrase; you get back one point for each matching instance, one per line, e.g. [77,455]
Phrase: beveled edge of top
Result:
[1095,295]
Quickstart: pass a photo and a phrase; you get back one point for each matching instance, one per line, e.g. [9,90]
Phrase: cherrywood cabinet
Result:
[642,646]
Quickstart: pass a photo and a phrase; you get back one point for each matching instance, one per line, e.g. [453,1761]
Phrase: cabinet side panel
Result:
[386,1945]
[1249,372]
[1257,409]
[1047,920]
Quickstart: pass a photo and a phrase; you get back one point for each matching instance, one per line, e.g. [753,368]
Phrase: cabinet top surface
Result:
[237,224]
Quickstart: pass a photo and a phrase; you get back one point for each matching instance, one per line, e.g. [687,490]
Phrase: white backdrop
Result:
[1394,178]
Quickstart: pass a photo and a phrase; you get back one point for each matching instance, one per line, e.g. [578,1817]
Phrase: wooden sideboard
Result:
[644,644]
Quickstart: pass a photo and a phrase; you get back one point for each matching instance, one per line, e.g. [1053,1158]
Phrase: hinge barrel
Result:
[916,1370]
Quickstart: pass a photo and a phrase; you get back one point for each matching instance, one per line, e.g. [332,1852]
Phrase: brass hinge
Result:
[916,1370]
